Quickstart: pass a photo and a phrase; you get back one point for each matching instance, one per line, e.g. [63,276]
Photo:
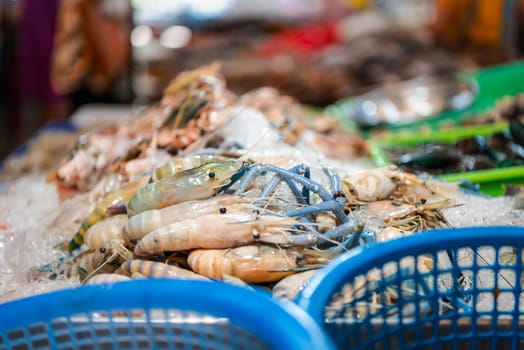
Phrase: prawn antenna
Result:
[245,156]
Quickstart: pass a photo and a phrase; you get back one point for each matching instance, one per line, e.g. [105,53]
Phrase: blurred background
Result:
[59,55]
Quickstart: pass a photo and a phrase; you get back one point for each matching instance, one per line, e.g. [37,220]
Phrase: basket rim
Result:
[253,310]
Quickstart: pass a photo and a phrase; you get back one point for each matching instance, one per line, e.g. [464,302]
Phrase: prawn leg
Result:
[295,174]
[350,231]
[277,179]
[314,208]
[311,186]
[336,183]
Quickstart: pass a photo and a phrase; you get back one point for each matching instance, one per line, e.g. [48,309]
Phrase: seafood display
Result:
[499,150]
[506,109]
[170,196]
[194,104]
[208,185]
[501,147]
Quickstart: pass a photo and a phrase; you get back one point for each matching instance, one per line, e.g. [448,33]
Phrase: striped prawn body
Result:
[105,259]
[107,278]
[197,183]
[154,269]
[109,229]
[141,224]
[120,196]
[215,231]
[251,263]
[179,164]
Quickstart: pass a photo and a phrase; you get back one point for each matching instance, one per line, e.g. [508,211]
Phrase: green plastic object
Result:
[490,181]
[491,84]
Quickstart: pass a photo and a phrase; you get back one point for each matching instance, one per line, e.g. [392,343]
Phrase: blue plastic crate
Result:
[454,288]
[158,314]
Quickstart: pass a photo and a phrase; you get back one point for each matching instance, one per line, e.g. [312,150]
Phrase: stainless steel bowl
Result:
[411,100]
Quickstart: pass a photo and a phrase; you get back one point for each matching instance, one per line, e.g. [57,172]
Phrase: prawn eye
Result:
[338,194]
[256,234]
[223,210]
[256,211]
[102,250]
[211,174]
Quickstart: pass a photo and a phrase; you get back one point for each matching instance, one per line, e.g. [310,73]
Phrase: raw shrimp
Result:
[156,269]
[179,164]
[252,263]
[143,223]
[107,278]
[106,230]
[409,217]
[100,260]
[375,184]
[91,156]
[198,183]
[187,79]
[148,162]
[290,286]
[195,103]
[388,233]
[217,231]
[99,213]
[325,221]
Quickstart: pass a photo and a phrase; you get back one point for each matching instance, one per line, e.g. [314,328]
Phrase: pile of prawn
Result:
[194,106]
[173,199]
[222,218]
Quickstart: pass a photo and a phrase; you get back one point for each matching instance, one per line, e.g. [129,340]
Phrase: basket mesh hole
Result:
[464,326]
[506,279]
[507,256]
[464,257]
[23,346]
[16,334]
[486,255]
[505,302]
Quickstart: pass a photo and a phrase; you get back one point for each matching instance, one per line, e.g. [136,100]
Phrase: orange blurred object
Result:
[484,27]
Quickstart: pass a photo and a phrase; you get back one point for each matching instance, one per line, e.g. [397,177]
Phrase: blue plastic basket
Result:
[456,288]
[158,314]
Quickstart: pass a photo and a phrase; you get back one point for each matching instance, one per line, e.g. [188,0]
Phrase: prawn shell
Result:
[370,185]
[291,285]
[179,164]
[84,265]
[107,278]
[106,230]
[388,233]
[121,195]
[156,270]
[252,264]
[145,222]
[213,231]
[388,210]
[198,183]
